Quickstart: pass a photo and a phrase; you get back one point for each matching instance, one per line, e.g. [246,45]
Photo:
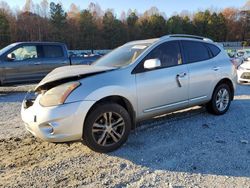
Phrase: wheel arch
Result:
[229,83]
[118,100]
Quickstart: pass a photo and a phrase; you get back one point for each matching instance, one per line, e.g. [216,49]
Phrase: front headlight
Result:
[58,94]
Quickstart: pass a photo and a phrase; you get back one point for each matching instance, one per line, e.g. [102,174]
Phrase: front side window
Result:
[195,51]
[24,53]
[168,53]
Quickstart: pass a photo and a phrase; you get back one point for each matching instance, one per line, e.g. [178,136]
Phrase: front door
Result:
[165,88]
[25,64]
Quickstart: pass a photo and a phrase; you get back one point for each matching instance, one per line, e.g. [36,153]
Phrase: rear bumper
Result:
[56,124]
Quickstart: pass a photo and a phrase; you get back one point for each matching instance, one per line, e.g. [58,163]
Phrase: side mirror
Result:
[152,63]
[11,57]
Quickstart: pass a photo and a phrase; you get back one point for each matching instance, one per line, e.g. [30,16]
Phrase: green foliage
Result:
[200,22]
[210,25]
[188,26]
[132,19]
[88,30]
[157,25]
[245,43]
[114,33]
[175,25]
[179,25]
[152,26]
[133,31]
[58,20]
[57,15]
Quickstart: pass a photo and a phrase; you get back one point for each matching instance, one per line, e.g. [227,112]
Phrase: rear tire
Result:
[106,127]
[221,100]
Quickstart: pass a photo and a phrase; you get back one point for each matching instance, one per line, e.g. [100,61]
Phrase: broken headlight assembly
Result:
[58,95]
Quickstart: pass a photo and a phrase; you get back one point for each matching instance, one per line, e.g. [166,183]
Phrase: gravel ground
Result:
[188,148]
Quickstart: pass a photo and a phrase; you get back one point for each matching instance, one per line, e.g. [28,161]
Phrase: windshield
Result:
[122,56]
[7,48]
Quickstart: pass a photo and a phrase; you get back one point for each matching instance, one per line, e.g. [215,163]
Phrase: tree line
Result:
[93,28]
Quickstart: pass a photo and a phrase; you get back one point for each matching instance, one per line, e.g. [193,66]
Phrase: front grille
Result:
[28,103]
[29,99]
[245,75]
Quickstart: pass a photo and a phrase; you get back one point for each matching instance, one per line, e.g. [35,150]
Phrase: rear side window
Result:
[214,49]
[168,53]
[52,51]
[195,51]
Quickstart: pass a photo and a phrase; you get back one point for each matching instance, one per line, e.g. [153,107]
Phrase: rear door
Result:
[25,64]
[53,57]
[202,70]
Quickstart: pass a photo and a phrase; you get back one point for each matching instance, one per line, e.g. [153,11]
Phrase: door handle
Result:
[178,76]
[216,68]
[38,63]
[181,75]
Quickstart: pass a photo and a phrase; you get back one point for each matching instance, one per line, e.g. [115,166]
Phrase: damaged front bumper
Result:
[54,124]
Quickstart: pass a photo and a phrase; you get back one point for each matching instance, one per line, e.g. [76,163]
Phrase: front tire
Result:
[106,127]
[221,100]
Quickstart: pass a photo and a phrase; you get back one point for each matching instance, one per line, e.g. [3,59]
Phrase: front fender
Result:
[113,91]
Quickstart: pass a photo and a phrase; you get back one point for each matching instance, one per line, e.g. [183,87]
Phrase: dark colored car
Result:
[31,61]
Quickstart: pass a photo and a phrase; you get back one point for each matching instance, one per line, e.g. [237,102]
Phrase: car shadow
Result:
[194,141]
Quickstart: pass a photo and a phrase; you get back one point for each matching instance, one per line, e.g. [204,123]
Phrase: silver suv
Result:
[101,103]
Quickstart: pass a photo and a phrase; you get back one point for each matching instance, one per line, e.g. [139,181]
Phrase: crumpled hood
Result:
[67,72]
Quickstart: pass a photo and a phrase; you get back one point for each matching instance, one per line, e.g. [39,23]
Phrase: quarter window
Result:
[214,49]
[195,51]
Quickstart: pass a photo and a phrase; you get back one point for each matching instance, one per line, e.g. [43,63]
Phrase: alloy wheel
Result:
[222,99]
[108,129]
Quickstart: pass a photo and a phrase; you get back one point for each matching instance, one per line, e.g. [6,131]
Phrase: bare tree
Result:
[74,12]
[44,8]
[29,6]
[95,10]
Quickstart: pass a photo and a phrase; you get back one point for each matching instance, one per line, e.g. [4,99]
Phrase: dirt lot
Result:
[189,148]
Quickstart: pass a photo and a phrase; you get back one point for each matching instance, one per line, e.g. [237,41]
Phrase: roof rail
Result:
[188,36]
